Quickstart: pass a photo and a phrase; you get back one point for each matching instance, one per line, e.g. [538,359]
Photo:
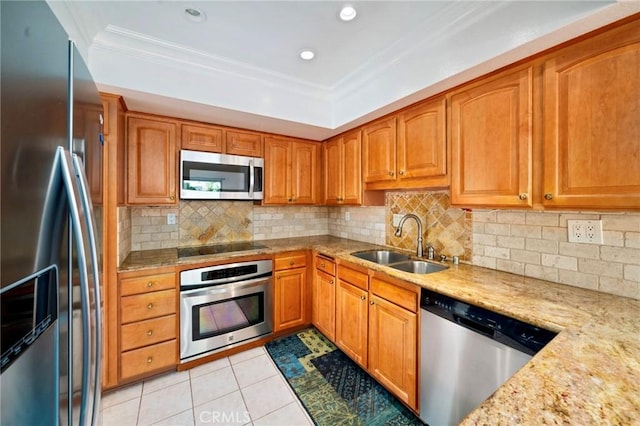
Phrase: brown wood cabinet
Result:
[148,321]
[290,304]
[292,171]
[592,123]
[352,298]
[379,151]
[324,297]
[343,170]
[240,142]
[151,160]
[393,338]
[491,141]
[202,138]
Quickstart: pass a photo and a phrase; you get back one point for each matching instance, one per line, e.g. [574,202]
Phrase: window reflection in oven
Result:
[220,317]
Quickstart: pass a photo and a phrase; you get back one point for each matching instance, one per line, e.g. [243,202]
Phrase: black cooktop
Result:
[218,248]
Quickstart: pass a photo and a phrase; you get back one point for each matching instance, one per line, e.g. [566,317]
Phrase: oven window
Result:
[213,319]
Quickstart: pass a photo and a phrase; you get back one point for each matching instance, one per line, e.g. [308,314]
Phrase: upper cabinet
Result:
[342,170]
[407,150]
[204,137]
[592,123]
[244,143]
[151,160]
[292,171]
[491,141]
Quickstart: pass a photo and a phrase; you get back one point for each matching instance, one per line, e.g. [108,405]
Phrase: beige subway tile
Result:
[510,242]
[510,266]
[554,233]
[478,249]
[621,222]
[620,287]
[578,279]
[487,240]
[543,219]
[632,273]
[589,251]
[541,272]
[632,239]
[600,267]
[497,228]
[525,256]
[541,246]
[497,252]
[613,238]
[560,262]
[140,221]
[483,261]
[620,254]
[511,217]
[477,227]
[484,216]
[528,231]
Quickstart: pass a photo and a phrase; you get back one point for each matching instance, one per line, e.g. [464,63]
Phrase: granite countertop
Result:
[589,374]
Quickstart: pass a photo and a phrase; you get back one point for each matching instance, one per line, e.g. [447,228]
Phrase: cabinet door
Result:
[304,172]
[151,161]
[351,321]
[592,123]
[491,136]
[277,170]
[379,151]
[243,143]
[333,171]
[324,304]
[202,138]
[422,143]
[393,348]
[351,168]
[290,298]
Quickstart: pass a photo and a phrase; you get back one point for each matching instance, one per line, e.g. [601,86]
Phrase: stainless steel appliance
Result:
[211,176]
[223,305]
[50,290]
[468,352]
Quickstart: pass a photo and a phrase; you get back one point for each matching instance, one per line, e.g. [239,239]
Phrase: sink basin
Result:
[382,257]
[419,266]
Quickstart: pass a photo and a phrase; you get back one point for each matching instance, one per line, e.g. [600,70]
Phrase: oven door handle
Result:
[251,178]
[191,289]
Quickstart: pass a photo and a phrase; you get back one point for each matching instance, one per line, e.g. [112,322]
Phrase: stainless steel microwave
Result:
[211,176]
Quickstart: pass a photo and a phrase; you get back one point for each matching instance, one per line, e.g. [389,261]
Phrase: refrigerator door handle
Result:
[96,363]
[77,214]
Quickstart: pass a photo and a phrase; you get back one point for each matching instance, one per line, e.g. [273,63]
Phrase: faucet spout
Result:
[398,232]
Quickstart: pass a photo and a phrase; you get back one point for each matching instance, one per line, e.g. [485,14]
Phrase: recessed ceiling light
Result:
[307,54]
[195,15]
[347,13]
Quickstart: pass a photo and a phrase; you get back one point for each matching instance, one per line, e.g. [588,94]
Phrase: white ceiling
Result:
[240,67]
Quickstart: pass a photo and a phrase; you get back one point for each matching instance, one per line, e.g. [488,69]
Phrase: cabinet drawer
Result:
[293,260]
[357,278]
[146,306]
[403,297]
[326,265]
[148,360]
[148,332]
[147,283]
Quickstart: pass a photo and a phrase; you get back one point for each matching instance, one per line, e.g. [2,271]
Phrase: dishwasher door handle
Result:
[479,328]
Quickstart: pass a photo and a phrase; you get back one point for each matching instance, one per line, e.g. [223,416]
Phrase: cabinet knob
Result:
[548,196]
[291,263]
[331,282]
[372,303]
[150,284]
[149,360]
[401,172]
[362,297]
[322,265]
[278,277]
[290,200]
[150,305]
[150,333]
[391,173]
[172,197]
[523,196]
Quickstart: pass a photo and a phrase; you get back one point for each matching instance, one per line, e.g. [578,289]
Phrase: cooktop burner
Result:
[218,248]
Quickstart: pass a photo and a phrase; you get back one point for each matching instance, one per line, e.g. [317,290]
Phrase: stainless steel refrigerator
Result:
[51,150]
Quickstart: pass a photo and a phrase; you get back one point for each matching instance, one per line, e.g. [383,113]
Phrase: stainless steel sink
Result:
[382,257]
[419,266]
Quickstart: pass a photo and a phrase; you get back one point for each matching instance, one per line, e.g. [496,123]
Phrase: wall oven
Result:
[223,305]
[211,176]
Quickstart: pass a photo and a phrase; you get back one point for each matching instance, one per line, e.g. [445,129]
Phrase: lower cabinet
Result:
[376,325]
[290,304]
[148,323]
[324,296]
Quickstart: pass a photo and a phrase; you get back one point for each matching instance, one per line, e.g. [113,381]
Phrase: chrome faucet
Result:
[398,232]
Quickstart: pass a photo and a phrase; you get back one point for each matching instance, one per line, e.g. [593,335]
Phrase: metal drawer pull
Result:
[330,281]
[149,333]
[291,263]
[150,305]
[523,196]
[362,297]
[150,284]
[372,303]
[149,360]
[548,196]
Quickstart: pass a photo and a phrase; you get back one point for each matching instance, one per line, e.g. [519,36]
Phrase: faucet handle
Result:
[443,258]
[431,253]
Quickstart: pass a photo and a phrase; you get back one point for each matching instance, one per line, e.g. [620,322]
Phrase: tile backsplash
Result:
[530,243]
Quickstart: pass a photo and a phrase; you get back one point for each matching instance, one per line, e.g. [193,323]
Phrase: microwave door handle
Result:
[251,178]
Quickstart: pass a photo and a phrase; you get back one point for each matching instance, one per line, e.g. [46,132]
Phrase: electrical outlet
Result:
[171,219]
[347,216]
[396,219]
[585,231]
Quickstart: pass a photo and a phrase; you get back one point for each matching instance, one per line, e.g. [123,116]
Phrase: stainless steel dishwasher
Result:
[468,352]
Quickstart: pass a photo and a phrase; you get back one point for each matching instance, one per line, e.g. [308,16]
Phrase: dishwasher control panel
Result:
[509,331]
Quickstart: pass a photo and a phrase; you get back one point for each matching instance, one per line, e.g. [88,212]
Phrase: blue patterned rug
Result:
[333,388]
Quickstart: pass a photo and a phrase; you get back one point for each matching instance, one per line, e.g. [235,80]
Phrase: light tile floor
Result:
[243,389]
